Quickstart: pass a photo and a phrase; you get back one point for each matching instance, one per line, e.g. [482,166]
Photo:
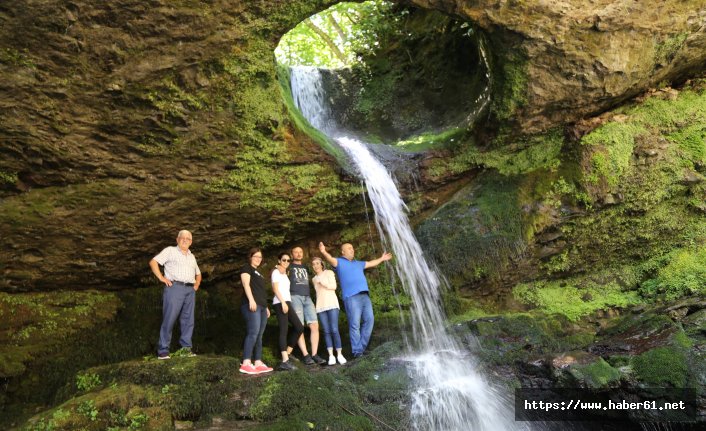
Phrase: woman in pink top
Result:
[327,309]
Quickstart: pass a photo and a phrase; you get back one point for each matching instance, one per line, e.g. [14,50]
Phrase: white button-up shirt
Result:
[177,265]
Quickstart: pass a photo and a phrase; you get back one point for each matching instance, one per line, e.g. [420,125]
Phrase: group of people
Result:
[291,301]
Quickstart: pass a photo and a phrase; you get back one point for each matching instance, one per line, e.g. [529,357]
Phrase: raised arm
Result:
[373,263]
[330,259]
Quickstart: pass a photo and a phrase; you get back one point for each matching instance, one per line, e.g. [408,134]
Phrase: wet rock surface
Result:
[572,66]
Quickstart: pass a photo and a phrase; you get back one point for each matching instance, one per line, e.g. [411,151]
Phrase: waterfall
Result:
[450,393]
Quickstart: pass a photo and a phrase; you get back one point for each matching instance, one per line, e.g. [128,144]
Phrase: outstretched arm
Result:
[330,259]
[373,263]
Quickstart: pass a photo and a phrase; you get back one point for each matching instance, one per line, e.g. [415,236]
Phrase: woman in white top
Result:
[282,303]
[327,309]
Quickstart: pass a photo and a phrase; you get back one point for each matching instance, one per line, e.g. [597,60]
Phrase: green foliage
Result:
[334,37]
[88,408]
[560,297]
[87,382]
[8,177]
[685,274]
[662,367]
[138,421]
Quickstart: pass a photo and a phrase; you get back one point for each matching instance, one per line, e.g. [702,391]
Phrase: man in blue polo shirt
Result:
[356,297]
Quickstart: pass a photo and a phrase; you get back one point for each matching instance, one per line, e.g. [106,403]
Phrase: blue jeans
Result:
[177,301]
[329,323]
[255,322]
[360,321]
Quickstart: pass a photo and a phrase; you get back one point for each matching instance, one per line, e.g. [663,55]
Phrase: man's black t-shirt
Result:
[299,279]
[257,286]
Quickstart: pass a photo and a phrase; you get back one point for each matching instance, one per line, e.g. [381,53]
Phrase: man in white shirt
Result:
[181,278]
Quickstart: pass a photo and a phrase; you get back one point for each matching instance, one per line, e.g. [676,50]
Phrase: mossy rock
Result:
[510,338]
[662,367]
[596,375]
[118,406]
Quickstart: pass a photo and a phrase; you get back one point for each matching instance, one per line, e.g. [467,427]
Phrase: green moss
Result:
[598,374]
[515,337]
[468,311]
[509,83]
[126,407]
[611,161]
[320,400]
[429,140]
[666,50]
[662,367]
[648,323]
[487,215]
[283,75]
[560,297]
[170,99]
[511,156]
[692,140]
[654,212]
[682,120]
[684,274]
[13,57]
[8,177]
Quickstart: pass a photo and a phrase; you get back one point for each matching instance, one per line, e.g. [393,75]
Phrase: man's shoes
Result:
[341,359]
[262,368]
[286,366]
[319,360]
[308,360]
[332,360]
[248,369]
[163,356]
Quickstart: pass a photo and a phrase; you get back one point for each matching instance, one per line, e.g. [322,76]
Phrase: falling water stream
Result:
[450,392]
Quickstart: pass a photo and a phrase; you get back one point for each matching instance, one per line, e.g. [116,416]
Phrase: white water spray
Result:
[450,392]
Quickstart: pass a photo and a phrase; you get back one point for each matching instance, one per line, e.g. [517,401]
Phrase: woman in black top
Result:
[255,312]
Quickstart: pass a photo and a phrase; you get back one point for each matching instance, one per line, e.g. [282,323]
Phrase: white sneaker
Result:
[341,359]
[332,360]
